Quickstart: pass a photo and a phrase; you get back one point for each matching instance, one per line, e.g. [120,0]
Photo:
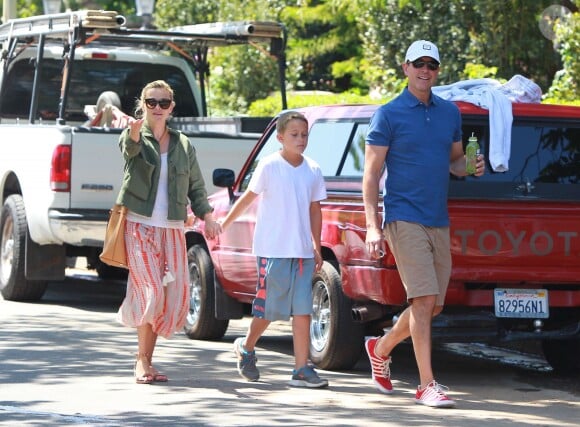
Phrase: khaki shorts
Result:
[423,257]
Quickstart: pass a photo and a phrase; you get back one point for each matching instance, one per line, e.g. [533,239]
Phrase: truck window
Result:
[353,165]
[270,146]
[544,163]
[327,143]
[89,79]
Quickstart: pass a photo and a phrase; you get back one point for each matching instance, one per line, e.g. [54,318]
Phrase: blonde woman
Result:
[161,179]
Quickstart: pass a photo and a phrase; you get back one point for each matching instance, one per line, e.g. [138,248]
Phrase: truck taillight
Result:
[99,55]
[60,168]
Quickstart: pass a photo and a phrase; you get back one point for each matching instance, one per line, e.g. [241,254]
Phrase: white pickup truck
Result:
[59,177]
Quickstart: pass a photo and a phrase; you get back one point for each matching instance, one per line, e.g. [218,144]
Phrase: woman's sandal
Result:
[145,378]
[158,376]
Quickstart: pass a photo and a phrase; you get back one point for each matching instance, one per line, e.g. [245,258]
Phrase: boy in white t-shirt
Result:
[287,246]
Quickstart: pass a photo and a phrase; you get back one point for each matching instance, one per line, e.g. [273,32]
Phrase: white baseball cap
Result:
[421,48]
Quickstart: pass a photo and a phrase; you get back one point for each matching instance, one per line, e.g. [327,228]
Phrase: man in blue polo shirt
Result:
[417,136]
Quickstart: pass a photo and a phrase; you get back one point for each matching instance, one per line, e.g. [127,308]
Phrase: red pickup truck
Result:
[515,242]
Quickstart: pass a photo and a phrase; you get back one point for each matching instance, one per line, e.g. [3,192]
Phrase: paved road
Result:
[66,362]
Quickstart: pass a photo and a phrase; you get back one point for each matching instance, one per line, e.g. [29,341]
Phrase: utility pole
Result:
[9,10]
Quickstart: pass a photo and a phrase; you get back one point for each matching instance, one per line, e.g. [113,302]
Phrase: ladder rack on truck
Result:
[192,42]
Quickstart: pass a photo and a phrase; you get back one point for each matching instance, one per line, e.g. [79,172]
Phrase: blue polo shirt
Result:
[419,138]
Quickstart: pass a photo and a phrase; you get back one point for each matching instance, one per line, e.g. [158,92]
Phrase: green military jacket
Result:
[141,175]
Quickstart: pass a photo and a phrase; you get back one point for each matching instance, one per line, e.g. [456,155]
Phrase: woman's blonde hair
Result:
[157,84]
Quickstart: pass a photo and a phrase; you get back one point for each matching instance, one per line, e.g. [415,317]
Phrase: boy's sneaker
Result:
[434,396]
[307,377]
[380,367]
[246,361]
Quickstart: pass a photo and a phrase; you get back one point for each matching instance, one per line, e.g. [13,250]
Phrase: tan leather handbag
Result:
[114,252]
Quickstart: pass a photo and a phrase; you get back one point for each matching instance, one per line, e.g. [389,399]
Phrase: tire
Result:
[201,321]
[108,272]
[563,355]
[13,234]
[336,341]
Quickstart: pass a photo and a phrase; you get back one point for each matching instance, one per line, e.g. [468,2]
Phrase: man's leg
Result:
[420,315]
[398,333]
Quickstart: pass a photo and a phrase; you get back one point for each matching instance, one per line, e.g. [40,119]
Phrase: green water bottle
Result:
[471,152]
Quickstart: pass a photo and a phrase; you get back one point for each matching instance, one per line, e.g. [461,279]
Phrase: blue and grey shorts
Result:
[284,288]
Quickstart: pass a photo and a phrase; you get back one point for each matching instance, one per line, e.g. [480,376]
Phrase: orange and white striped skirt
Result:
[157,288]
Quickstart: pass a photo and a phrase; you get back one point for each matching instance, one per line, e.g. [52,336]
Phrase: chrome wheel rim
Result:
[194,295]
[321,309]
[7,250]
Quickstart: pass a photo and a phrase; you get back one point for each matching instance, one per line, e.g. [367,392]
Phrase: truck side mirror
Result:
[225,178]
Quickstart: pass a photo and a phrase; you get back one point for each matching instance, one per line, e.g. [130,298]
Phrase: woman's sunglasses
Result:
[419,63]
[151,103]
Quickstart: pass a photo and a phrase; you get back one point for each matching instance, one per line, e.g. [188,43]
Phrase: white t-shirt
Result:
[283,220]
[159,216]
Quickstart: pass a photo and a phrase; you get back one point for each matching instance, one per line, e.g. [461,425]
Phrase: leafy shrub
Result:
[272,105]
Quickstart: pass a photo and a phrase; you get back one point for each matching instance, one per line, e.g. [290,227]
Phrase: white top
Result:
[283,220]
[485,93]
[160,208]
[497,98]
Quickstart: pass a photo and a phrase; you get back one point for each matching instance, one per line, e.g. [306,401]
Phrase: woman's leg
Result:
[146,339]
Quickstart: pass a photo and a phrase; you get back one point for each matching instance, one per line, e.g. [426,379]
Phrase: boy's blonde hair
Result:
[285,118]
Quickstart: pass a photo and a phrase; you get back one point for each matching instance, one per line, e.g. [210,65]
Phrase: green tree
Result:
[502,34]
[28,8]
[324,49]
[238,75]
[565,86]
[510,39]
[357,46]
[173,13]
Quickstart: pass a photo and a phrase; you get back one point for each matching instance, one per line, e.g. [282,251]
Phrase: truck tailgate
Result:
[96,168]
[515,241]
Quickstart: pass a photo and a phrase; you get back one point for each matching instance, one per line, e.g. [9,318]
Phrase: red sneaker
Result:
[380,367]
[434,396]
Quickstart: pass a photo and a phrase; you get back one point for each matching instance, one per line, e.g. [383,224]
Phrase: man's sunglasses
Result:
[151,103]
[419,63]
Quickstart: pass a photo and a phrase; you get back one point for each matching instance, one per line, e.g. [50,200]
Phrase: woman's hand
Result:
[212,227]
[190,219]
[135,132]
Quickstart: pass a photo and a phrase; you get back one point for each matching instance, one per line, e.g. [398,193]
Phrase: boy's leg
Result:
[244,349]
[255,331]
[301,337]
[304,374]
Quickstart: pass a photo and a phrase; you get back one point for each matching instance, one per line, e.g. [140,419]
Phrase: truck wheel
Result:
[201,321]
[563,355]
[336,341]
[14,229]
[108,272]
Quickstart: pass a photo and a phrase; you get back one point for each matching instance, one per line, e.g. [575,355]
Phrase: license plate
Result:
[521,303]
